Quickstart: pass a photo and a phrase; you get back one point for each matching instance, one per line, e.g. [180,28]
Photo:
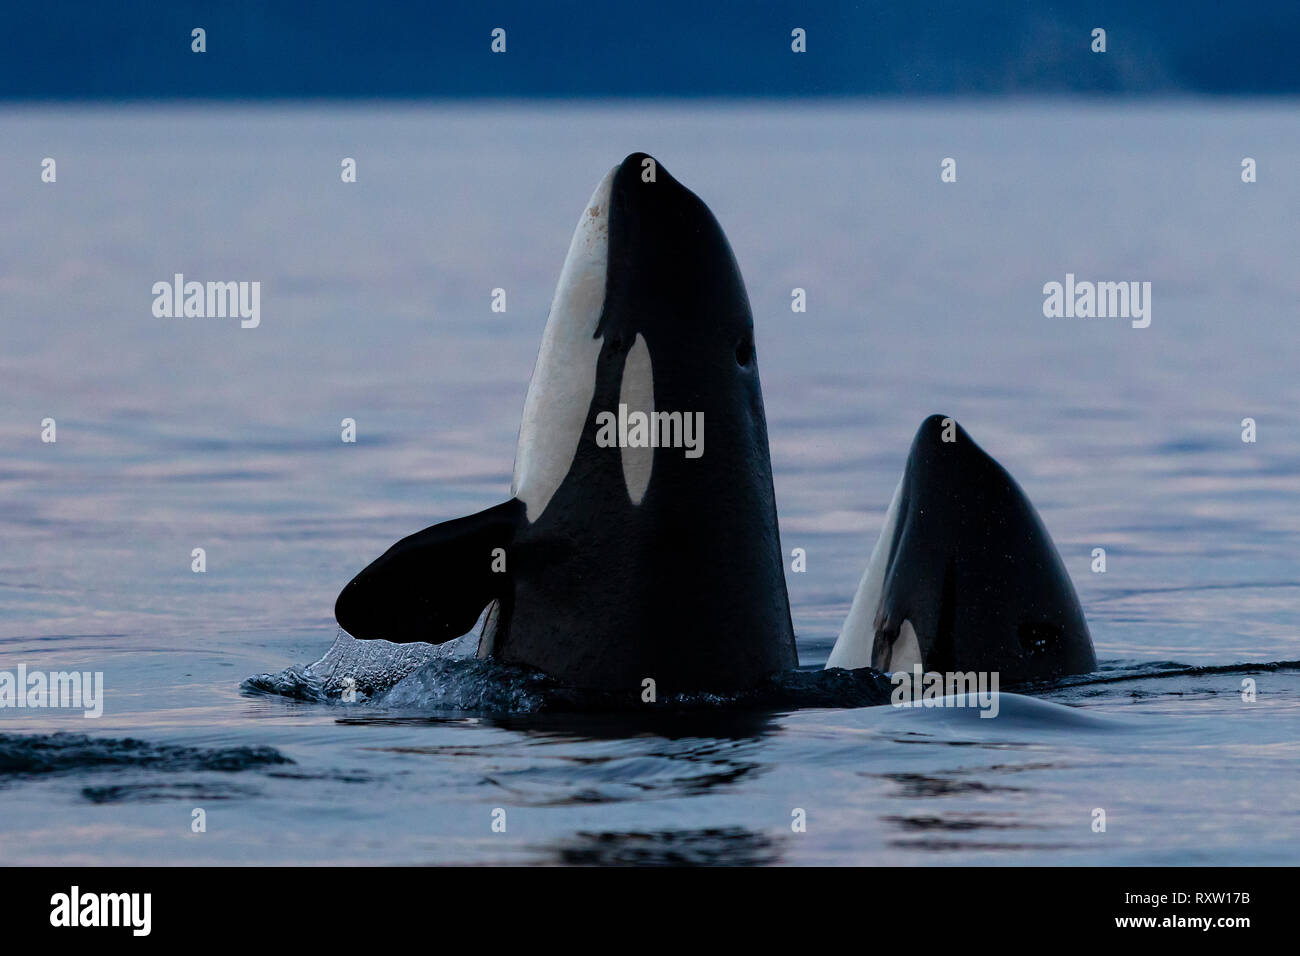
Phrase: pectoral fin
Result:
[433,585]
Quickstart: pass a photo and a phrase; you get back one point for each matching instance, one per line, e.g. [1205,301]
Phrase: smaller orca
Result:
[964,576]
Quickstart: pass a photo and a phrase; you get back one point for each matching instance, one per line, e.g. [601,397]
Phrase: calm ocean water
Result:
[175,434]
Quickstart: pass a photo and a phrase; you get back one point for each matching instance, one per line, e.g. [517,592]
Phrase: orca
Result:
[619,560]
[964,576]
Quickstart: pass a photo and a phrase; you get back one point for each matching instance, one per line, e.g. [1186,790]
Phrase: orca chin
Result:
[964,576]
[632,555]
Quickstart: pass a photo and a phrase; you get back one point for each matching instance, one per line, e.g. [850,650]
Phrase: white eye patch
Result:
[637,392]
[906,652]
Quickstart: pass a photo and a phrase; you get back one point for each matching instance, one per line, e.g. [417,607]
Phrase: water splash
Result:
[424,677]
[448,678]
[367,668]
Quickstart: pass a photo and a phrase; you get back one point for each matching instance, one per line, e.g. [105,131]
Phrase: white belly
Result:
[564,378]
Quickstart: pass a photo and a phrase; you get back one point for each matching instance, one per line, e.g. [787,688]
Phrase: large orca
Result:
[615,562]
[964,576]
